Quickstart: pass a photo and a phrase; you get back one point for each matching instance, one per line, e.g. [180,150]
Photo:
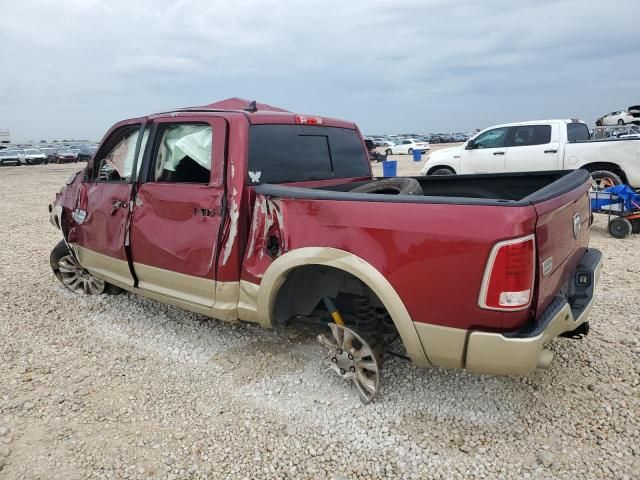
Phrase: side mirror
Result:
[471,144]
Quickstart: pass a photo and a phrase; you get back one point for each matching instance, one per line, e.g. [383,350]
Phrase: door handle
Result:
[205,212]
[498,153]
[551,151]
[117,204]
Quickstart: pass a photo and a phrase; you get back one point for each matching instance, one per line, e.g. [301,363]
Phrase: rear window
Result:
[296,153]
[577,132]
[531,135]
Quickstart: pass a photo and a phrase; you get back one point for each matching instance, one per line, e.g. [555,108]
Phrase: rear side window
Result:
[296,153]
[577,132]
[531,135]
[183,153]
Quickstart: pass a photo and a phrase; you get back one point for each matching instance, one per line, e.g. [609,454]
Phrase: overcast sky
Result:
[71,68]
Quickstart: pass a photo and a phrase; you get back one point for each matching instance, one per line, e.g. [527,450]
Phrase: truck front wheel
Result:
[71,274]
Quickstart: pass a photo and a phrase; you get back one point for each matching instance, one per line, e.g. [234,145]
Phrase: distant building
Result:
[5,135]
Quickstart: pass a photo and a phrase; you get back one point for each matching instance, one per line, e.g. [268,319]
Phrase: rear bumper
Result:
[520,352]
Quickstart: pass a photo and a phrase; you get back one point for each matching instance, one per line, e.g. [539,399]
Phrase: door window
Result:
[494,138]
[531,135]
[577,132]
[183,154]
[115,160]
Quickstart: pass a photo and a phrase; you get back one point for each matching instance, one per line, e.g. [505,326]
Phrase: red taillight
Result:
[509,275]
[304,120]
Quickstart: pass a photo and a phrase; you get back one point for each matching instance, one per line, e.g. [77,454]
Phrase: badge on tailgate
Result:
[576,225]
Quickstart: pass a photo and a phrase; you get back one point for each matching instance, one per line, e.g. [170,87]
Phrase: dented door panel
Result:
[175,227]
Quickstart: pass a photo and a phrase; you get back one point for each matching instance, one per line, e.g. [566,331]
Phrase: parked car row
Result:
[394,140]
[44,155]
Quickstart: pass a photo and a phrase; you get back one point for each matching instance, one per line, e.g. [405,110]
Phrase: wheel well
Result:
[306,286]
[608,166]
[437,167]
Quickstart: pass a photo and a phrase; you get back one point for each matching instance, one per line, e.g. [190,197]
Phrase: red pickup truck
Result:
[248,212]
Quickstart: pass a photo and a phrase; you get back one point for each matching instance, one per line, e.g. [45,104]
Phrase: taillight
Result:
[509,275]
[304,120]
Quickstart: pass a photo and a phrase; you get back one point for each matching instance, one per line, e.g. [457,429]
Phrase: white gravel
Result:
[124,387]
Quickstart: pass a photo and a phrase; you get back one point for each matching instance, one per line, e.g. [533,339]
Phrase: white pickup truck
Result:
[540,146]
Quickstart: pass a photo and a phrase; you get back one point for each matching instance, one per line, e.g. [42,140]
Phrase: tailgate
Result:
[562,236]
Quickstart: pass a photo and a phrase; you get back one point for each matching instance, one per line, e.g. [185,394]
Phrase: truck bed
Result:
[514,189]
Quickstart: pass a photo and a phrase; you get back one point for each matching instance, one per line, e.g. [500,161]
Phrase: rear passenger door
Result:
[534,148]
[177,210]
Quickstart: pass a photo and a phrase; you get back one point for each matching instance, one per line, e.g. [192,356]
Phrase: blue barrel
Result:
[390,168]
[417,155]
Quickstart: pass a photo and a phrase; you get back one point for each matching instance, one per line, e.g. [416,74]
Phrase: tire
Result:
[635,225]
[388,151]
[410,151]
[62,262]
[620,122]
[603,179]
[620,227]
[391,186]
[443,171]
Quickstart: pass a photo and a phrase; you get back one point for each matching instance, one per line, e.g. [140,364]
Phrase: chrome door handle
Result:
[116,204]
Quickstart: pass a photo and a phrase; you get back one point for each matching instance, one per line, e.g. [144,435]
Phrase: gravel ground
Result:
[123,387]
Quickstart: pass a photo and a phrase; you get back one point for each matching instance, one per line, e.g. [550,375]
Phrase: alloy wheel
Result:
[77,279]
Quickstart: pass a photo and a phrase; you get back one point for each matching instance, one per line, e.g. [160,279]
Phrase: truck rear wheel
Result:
[620,227]
[391,186]
[604,179]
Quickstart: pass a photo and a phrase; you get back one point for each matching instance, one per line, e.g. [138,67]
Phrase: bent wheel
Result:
[352,358]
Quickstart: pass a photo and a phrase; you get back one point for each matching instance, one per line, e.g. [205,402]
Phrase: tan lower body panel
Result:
[197,290]
[444,346]
[111,269]
[248,302]
[207,297]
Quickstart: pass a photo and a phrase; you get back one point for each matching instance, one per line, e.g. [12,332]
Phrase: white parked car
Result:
[621,117]
[33,156]
[406,147]
[13,157]
[540,146]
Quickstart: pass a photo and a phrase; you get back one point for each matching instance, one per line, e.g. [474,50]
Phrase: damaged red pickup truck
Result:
[246,211]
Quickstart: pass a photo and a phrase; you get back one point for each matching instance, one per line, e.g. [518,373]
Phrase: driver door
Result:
[488,153]
[102,213]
